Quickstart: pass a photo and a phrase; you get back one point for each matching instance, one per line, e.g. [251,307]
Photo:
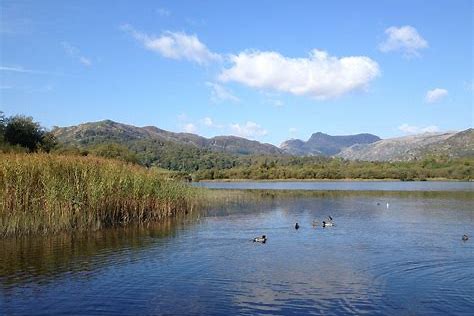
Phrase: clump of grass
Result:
[44,193]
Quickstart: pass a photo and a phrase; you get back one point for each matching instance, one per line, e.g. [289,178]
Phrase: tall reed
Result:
[44,193]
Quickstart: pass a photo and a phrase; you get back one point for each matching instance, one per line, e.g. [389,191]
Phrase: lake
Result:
[404,259]
[342,185]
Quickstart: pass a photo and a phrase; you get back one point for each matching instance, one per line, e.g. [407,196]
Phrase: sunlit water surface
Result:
[407,259]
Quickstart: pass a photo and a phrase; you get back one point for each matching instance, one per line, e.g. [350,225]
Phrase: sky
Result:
[264,70]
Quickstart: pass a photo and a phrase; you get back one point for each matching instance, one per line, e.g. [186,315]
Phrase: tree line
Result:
[21,133]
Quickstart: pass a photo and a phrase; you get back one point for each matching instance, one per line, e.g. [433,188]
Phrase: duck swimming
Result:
[262,239]
[297,226]
[465,237]
[327,224]
[315,223]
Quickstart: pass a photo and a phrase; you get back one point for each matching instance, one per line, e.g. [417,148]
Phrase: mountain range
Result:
[110,131]
[452,144]
[353,147]
[324,144]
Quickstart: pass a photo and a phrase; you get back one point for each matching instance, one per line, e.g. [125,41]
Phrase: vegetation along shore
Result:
[45,193]
[48,186]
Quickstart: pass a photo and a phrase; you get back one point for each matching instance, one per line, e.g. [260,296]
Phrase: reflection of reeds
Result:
[42,258]
[41,193]
[219,196]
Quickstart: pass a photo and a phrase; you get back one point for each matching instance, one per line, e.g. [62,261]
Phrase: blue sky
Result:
[267,70]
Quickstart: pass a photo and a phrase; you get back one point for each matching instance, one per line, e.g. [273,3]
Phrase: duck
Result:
[315,223]
[327,224]
[465,237]
[297,226]
[262,239]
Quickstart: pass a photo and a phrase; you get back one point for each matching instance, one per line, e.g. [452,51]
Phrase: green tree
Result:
[3,123]
[22,130]
[114,151]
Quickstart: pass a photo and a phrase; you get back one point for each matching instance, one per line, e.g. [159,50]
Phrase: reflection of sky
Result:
[405,259]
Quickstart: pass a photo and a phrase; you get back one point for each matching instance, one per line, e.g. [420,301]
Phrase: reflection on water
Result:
[40,259]
[405,259]
[342,185]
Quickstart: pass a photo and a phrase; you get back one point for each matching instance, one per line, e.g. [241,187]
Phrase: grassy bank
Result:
[42,193]
[318,168]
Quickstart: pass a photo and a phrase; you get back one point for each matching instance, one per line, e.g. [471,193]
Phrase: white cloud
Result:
[220,93]
[320,76]
[435,95]
[175,45]
[189,128]
[410,129]
[210,123]
[163,12]
[207,121]
[75,53]
[405,39]
[248,130]
[85,61]
[292,130]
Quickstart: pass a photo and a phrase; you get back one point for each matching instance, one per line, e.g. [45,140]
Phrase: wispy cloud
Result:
[210,123]
[163,12]
[189,128]
[250,130]
[219,93]
[435,95]
[469,86]
[175,45]
[75,53]
[29,71]
[411,129]
[319,75]
[405,39]
[276,103]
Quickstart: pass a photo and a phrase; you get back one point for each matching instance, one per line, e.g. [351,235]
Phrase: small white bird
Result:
[262,239]
[327,224]
[388,205]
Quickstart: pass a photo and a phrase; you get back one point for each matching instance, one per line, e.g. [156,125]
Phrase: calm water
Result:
[407,259]
[343,185]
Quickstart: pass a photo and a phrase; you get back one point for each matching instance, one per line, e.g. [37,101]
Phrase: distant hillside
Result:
[109,131]
[412,147]
[324,144]
[185,151]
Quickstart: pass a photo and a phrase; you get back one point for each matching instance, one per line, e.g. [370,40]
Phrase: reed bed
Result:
[44,193]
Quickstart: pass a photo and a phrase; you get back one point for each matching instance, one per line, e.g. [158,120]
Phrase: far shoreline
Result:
[334,180]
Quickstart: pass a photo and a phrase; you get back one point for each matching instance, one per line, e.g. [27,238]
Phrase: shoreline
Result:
[333,180]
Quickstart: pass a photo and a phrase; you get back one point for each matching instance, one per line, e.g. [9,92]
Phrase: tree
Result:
[48,142]
[23,131]
[3,123]
[114,151]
